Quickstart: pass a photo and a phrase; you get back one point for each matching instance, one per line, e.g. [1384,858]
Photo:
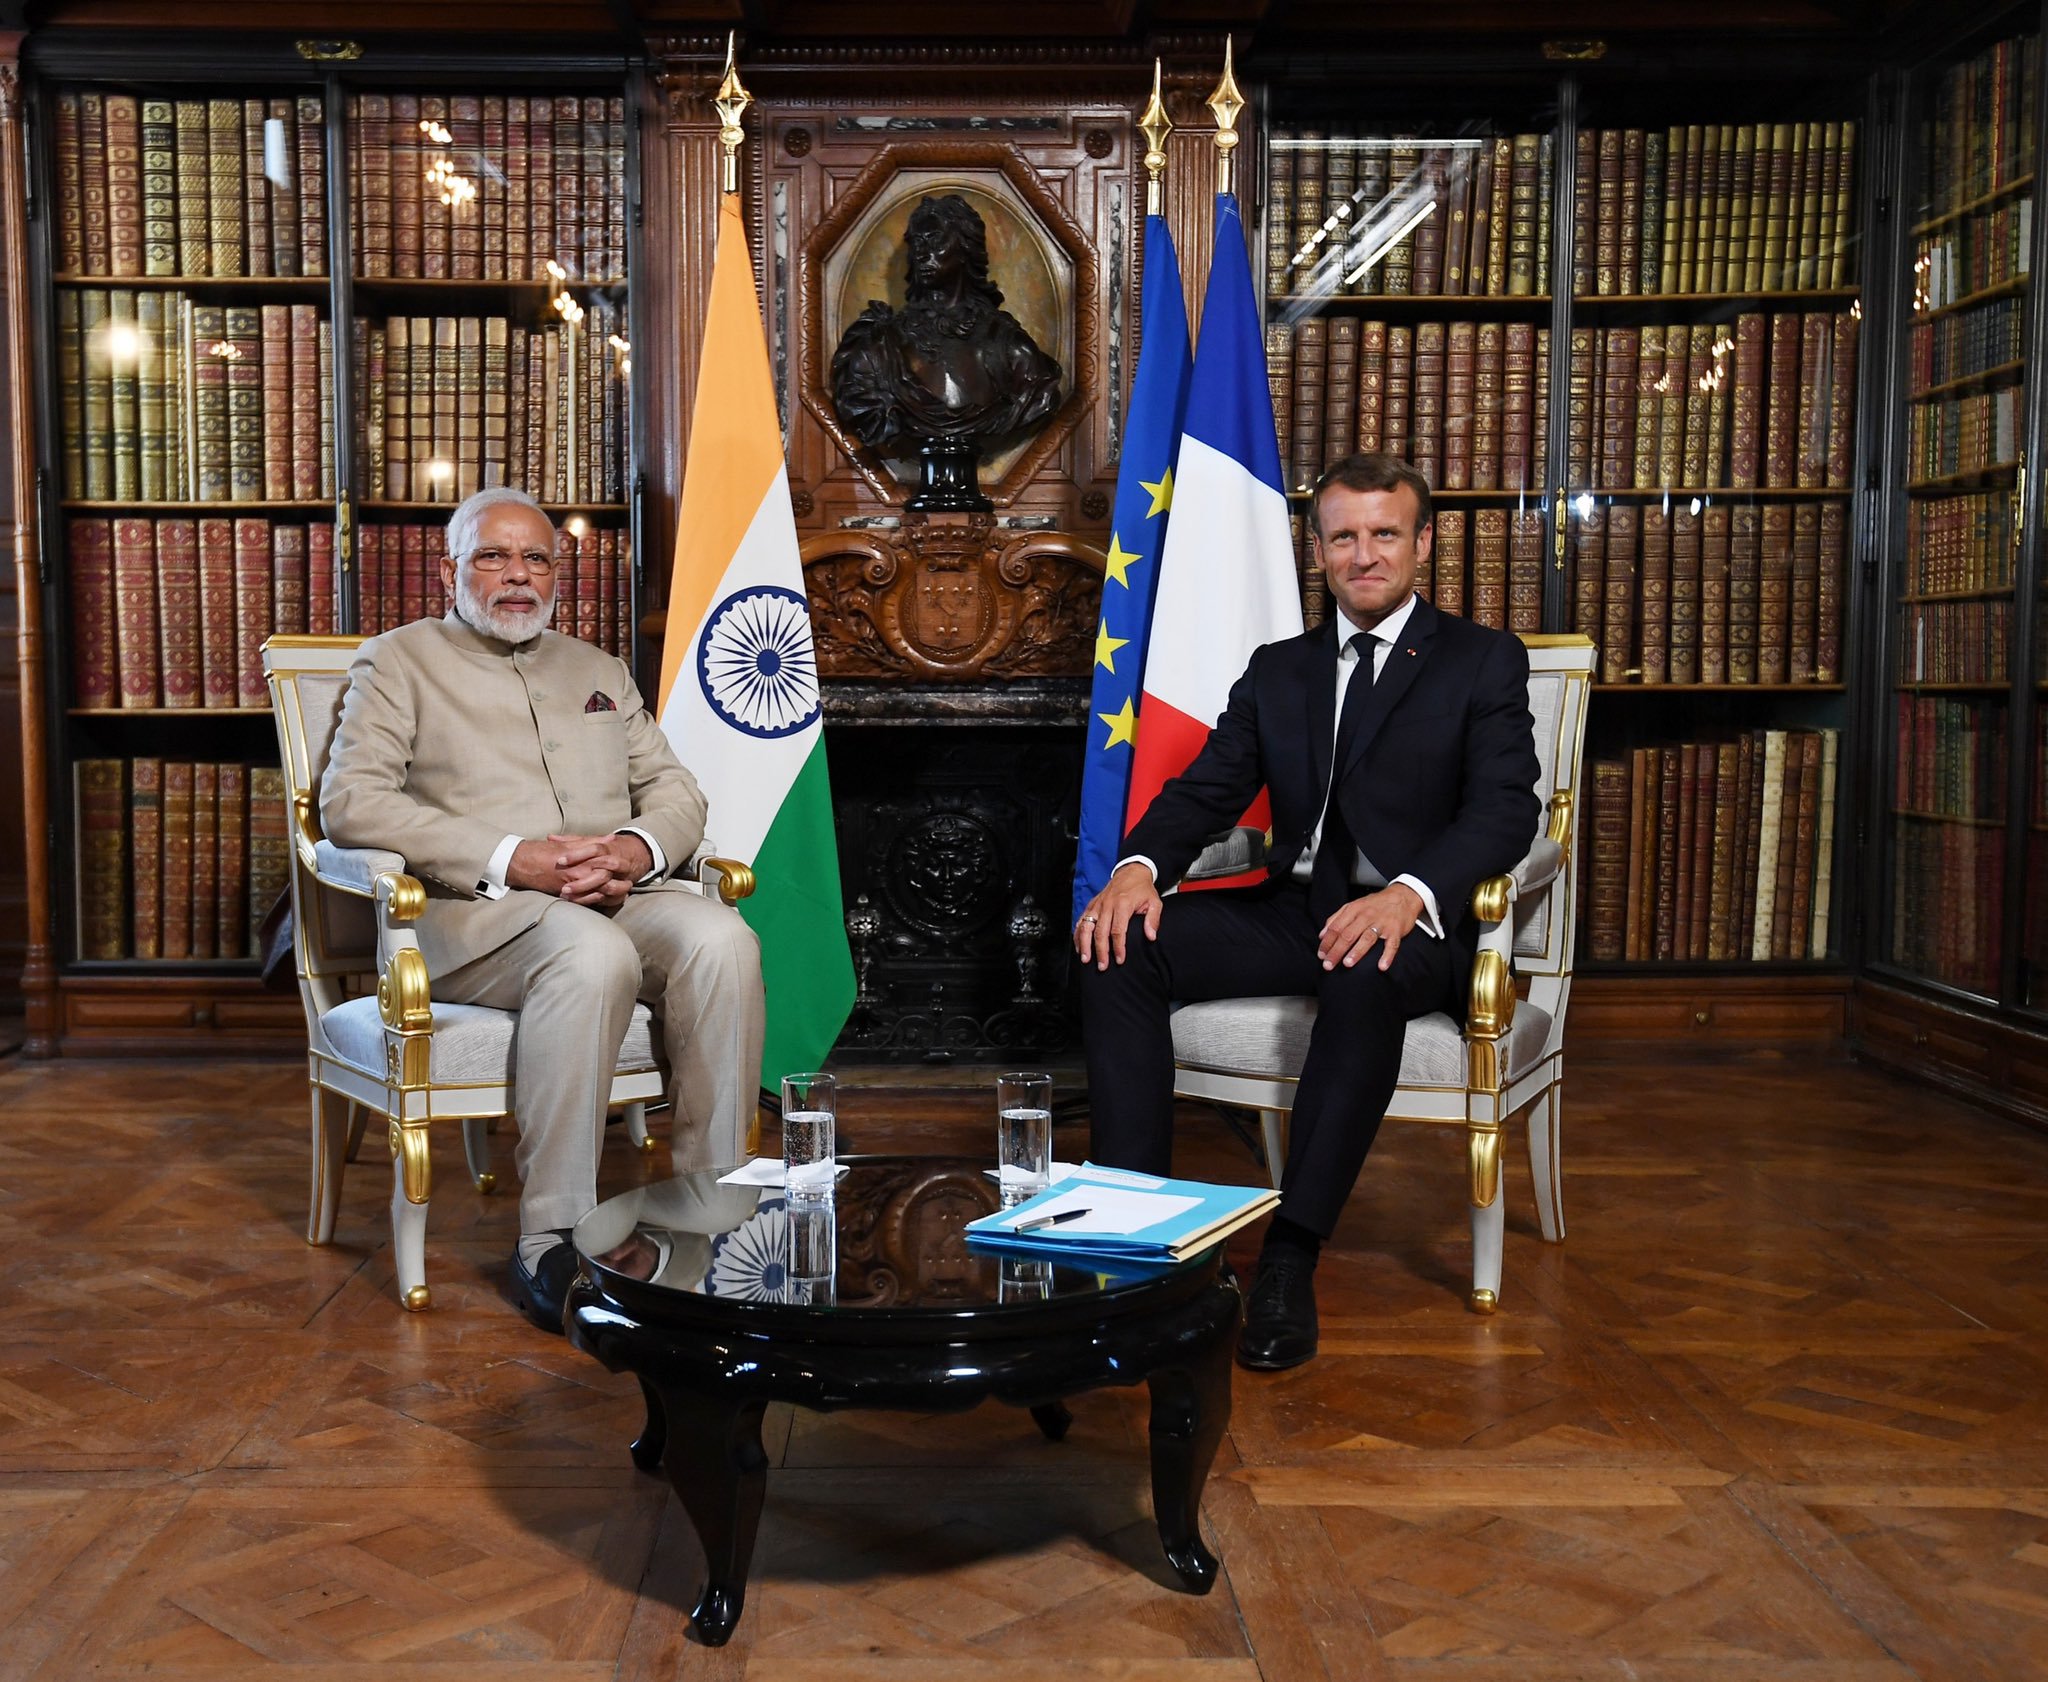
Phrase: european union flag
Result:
[1144,494]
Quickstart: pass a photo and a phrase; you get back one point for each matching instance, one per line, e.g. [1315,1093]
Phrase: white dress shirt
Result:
[1384,636]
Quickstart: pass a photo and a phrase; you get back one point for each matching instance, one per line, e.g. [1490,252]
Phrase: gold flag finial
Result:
[1155,125]
[731,101]
[1226,102]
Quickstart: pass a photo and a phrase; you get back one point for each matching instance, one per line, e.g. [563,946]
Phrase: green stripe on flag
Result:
[795,909]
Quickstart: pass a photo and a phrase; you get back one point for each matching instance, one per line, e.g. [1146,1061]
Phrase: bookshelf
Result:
[289,313]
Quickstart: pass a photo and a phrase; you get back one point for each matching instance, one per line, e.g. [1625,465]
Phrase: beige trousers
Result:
[573,978]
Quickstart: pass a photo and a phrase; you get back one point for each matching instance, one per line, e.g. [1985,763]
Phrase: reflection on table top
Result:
[890,1238]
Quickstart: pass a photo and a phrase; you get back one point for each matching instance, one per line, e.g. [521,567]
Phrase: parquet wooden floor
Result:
[1776,1412]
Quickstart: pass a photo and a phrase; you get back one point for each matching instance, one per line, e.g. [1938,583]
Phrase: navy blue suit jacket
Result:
[1440,782]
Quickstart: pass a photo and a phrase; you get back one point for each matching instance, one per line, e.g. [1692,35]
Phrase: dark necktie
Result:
[1330,881]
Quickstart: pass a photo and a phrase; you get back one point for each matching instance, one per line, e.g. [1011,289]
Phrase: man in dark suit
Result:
[1398,748]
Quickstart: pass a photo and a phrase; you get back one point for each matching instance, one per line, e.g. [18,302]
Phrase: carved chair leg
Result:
[330,1141]
[411,1186]
[1546,1163]
[635,1116]
[476,1151]
[1489,1204]
[1273,1126]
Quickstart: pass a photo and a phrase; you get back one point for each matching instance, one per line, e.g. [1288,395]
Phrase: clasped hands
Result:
[1384,917]
[593,870]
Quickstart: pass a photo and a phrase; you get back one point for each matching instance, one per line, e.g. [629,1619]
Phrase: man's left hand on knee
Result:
[1385,917]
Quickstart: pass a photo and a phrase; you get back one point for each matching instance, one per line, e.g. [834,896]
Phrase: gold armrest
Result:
[1560,829]
[1492,897]
[405,897]
[305,832]
[735,880]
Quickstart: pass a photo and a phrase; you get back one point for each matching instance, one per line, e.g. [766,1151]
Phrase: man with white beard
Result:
[523,780]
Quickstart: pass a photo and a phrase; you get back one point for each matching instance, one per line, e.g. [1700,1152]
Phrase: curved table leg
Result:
[1053,1419]
[714,1459]
[1190,1409]
[647,1447]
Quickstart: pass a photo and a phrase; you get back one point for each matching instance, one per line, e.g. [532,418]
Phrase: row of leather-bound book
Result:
[177,859]
[1713,850]
[1768,403]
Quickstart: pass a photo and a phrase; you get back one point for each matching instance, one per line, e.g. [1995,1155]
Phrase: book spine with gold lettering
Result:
[1523,211]
[123,359]
[311,186]
[1689,196]
[465,218]
[320,617]
[540,185]
[1804,600]
[1539,416]
[1841,407]
[1724,209]
[1479,219]
[568,180]
[1460,380]
[491,189]
[1687,566]
[295,393]
[1457,209]
[1607,212]
[1810,201]
[517,416]
[1279,386]
[323,350]
[1340,396]
[1827,626]
[1448,568]
[1778,196]
[102,858]
[408,175]
[1661,882]
[1654,593]
[231,861]
[589,582]
[437,212]
[1651,383]
[1619,595]
[178,612]
[288,579]
[1774,594]
[441,468]
[1585,212]
[1815,377]
[1517,405]
[1309,360]
[89,555]
[1697,373]
[226,252]
[177,859]
[66,146]
[92,175]
[140,671]
[218,674]
[210,373]
[1489,376]
[1628,241]
[403,588]
[123,185]
[269,843]
[598,188]
[205,874]
[191,170]
[275,373]
[1616,465]
[254,613]
[285,236]
[1586,551]
[1751,356]
[409,377]
[146,856]
[1841,259]
[1715,523]
[469,391]
[375,257]
[1489,599]
[1525,570]
[151,397]
[1705,766]
[1582,409]
[519,258]
[1426,402]
[1781,403]
[370,578]
[255,189]
[244,403]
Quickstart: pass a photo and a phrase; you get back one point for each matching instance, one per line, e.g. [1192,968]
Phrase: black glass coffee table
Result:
[722,1299]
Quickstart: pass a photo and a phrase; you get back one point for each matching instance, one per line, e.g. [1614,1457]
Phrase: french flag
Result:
[1226,576]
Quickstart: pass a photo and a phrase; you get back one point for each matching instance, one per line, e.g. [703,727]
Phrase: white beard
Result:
[476,612]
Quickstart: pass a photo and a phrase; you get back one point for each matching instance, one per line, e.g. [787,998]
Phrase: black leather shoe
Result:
[1280,1319]
[541,1292]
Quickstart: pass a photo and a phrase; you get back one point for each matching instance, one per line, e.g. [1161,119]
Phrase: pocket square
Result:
[600,702]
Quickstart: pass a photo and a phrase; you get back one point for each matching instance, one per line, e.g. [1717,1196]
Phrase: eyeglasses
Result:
[497,560]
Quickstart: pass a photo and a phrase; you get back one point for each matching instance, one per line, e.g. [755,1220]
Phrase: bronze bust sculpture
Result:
[952,372]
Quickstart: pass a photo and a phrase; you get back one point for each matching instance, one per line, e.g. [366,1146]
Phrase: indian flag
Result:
[739,675]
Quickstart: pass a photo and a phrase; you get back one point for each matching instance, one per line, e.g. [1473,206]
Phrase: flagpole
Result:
[1155,125]
[731,101]
[1226,102]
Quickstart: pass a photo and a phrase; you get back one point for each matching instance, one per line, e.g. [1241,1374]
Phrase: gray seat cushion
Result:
[1269,1037]
[472,1043]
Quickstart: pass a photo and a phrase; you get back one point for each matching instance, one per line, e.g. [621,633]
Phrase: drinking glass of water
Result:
[813,1253]
[1023,1135]
[810,1103]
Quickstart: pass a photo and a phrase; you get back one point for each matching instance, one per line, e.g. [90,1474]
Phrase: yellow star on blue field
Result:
[1162,493]
[1106,646]
[1118,562]
[1123,725]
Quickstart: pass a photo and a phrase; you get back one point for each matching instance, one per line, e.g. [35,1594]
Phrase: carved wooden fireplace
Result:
[953,652]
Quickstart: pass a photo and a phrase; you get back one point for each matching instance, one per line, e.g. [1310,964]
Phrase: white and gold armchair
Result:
[1507,1054]
[377,1044]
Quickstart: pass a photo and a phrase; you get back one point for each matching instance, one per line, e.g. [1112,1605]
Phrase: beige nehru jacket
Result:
[451,740]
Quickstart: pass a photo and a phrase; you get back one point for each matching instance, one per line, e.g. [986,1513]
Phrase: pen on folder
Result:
[1060,1219]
